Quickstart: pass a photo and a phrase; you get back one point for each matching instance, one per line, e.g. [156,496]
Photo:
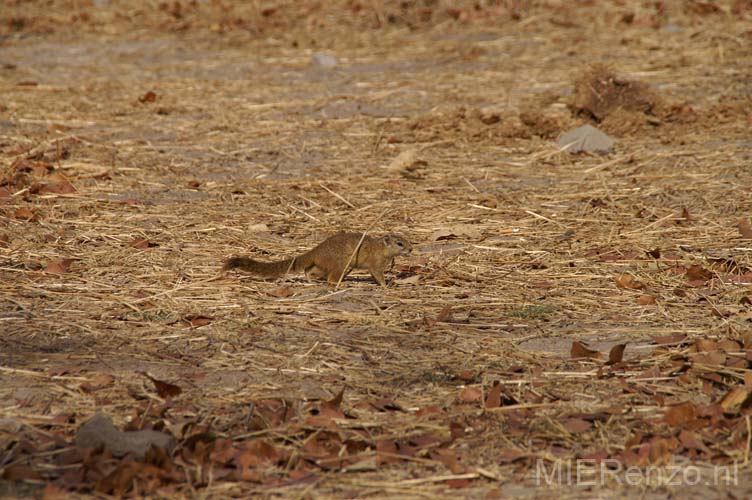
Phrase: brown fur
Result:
[330,258]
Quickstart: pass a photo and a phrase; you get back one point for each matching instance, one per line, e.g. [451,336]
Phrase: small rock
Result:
[10,425]
[324,60]
[99,431]
[586,139]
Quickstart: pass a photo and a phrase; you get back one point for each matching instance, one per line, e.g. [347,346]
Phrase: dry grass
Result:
[249,149]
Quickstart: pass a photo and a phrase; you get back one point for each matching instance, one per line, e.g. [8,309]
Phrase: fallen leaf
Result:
[337,400]
[198,320]
[706,345]
[281,292]
[458,483]
[580,351]
[20,472]
[729,345]
[385,451]
[646,300]
[445,315]
[164,389]
[627,281]
[745,229]
[25,213]
[456,231]
[736,397]
[4,194]
[466,375]
[577,425]
[493,399]
[655,253]
[58,184]
[470,395]
[681,414]
[697,272]
[448,458]
[100,381]
[410,280]
[676,338]
[61,266]
[435,410]
[142,244]
[616,354]
[150,96]
[494,494]
[54,492]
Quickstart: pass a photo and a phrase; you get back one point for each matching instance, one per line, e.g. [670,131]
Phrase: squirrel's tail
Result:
[261,269]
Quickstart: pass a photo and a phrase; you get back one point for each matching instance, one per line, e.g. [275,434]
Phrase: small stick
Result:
[339,197]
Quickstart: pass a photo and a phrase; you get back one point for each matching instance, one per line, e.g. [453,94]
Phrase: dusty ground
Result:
[143,143]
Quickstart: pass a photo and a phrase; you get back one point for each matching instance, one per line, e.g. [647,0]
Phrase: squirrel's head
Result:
[397,244]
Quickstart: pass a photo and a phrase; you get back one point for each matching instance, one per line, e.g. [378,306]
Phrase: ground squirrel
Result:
[333,258]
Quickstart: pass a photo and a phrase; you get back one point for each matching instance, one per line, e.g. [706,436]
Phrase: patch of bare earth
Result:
[567,325]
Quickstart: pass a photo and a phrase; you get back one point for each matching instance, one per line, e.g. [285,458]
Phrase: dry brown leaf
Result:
[616,354]
[100,381]
[58,184]
[577,425]
[729,345]
[61,266]
[680,414]
[445,315]
[25,213]
[470,395]
[142,244]
[54,492]
[734,399]
[628,282]
[198,320]
[698,273]
[20,472]
[456,231]
[579,350]
[670,339]
[458,483]
[164,389]
[149,96]
[646,300]
[494,494]
[712,358]
[493,399]
[706,345]
[281,292]
[744,229]
[433,410]
[337,400]
[466,375]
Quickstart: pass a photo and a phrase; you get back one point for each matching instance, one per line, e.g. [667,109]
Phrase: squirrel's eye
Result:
[400,244]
